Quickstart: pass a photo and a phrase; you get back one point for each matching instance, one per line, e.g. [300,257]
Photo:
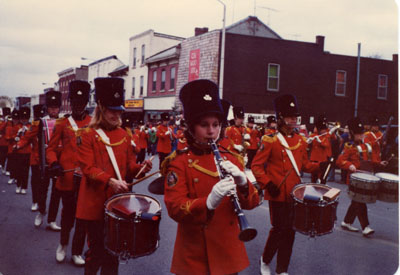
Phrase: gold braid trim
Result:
[202,169]
[166,162]
[112,144]
[293,147]
[94,176]
[186,207]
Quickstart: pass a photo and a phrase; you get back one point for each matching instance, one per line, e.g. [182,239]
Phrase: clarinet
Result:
[247,233]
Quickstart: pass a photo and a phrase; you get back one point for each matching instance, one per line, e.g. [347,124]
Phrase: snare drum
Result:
[313,217]
[132,225]
[363,187]
[389,187]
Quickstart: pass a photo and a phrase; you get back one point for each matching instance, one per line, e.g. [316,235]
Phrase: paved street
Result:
[26,250]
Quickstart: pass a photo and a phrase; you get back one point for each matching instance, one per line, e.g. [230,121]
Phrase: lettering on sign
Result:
[134,103]
[194,64]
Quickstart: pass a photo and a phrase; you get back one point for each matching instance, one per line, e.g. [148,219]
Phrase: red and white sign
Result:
[194,64]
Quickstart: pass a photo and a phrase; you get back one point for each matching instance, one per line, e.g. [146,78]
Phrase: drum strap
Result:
[289,153]
[110,152]
[73,123]
[369,151]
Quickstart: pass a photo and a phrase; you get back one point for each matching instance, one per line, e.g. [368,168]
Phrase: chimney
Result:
[395,58]
[320,41]
[200,31]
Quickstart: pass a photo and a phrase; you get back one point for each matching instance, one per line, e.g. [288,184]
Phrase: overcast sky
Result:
[39,38]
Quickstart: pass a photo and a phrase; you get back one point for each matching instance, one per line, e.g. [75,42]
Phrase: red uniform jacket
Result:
[31,139]
[64,133]
[20,134]
[351,156]
[182,142]
[375,140]
[164,141]
[203,243]
[269,131]
[254,138]
[97,169]
[235,136]
[272,153]
[143,136]
[320,151]
[11,134]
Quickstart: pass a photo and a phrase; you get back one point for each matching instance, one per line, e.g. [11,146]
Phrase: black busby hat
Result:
[321,122]
[24,113]
[6,111]
[15,114]
[164,116]
[53,98]
[38,111]
[374,121]
[79,91]
[200,97]
[250,119]
[127,119]
[110,92]
[355,125]
[238,112]
[286,106]
[271,119]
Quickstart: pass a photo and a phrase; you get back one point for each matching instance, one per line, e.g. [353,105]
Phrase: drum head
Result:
[364,177]
[309,188]
[388,177]
[130,203]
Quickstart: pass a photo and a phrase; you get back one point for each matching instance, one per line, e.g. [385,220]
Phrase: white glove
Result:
[246,137]
[239,147]
[246,159]
[222,188]
[352,168]
[133,143]
[141,129]
[317,138]
[167,132]
[239,177]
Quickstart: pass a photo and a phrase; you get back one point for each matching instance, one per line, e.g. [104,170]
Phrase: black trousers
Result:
[22,164]
[162,156]
[281,236]
[250,156]
[3,155]
[141,156]
[12,164]
[97,256]
[69,200]
[359,210]
[35,183]
[54,199]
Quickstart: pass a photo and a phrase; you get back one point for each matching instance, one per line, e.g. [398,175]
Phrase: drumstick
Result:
[142,179]
[331,160]
[144,166]
[284,179]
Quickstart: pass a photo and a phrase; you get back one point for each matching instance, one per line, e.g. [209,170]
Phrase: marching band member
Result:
[143,136]
[180,135]
[235,133]
[102,176]
[374,136]
[22,155]
[165,136]
[285,155]
[65,165]
[44,131]
[3,142]
[207,237]
[11,134]
[320,145]
[254,140]
[358,155]
[271,126]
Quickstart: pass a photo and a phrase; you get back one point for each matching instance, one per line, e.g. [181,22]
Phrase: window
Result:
[154,82]
[172,79]
[133,87]
[273,77]
[134,57]
[141,85]
[382,86]
[143,53]
[163,80]
[340,87]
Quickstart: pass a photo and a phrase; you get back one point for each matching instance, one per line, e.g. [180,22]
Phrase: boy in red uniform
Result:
[285,155]
[358,155]
[165,135]
[253,140]
[235,133]
[3,142]
[207,238]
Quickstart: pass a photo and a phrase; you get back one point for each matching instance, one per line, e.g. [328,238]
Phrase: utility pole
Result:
[222,61]
[358,79]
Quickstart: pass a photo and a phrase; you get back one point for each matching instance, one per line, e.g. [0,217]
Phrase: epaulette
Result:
[35,123]
[348,145]
[60,120]
[128,131]
[166,162]
[269,138]
[239,157]
[182,151]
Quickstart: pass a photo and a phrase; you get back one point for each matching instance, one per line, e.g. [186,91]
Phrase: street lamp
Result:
[221,73]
